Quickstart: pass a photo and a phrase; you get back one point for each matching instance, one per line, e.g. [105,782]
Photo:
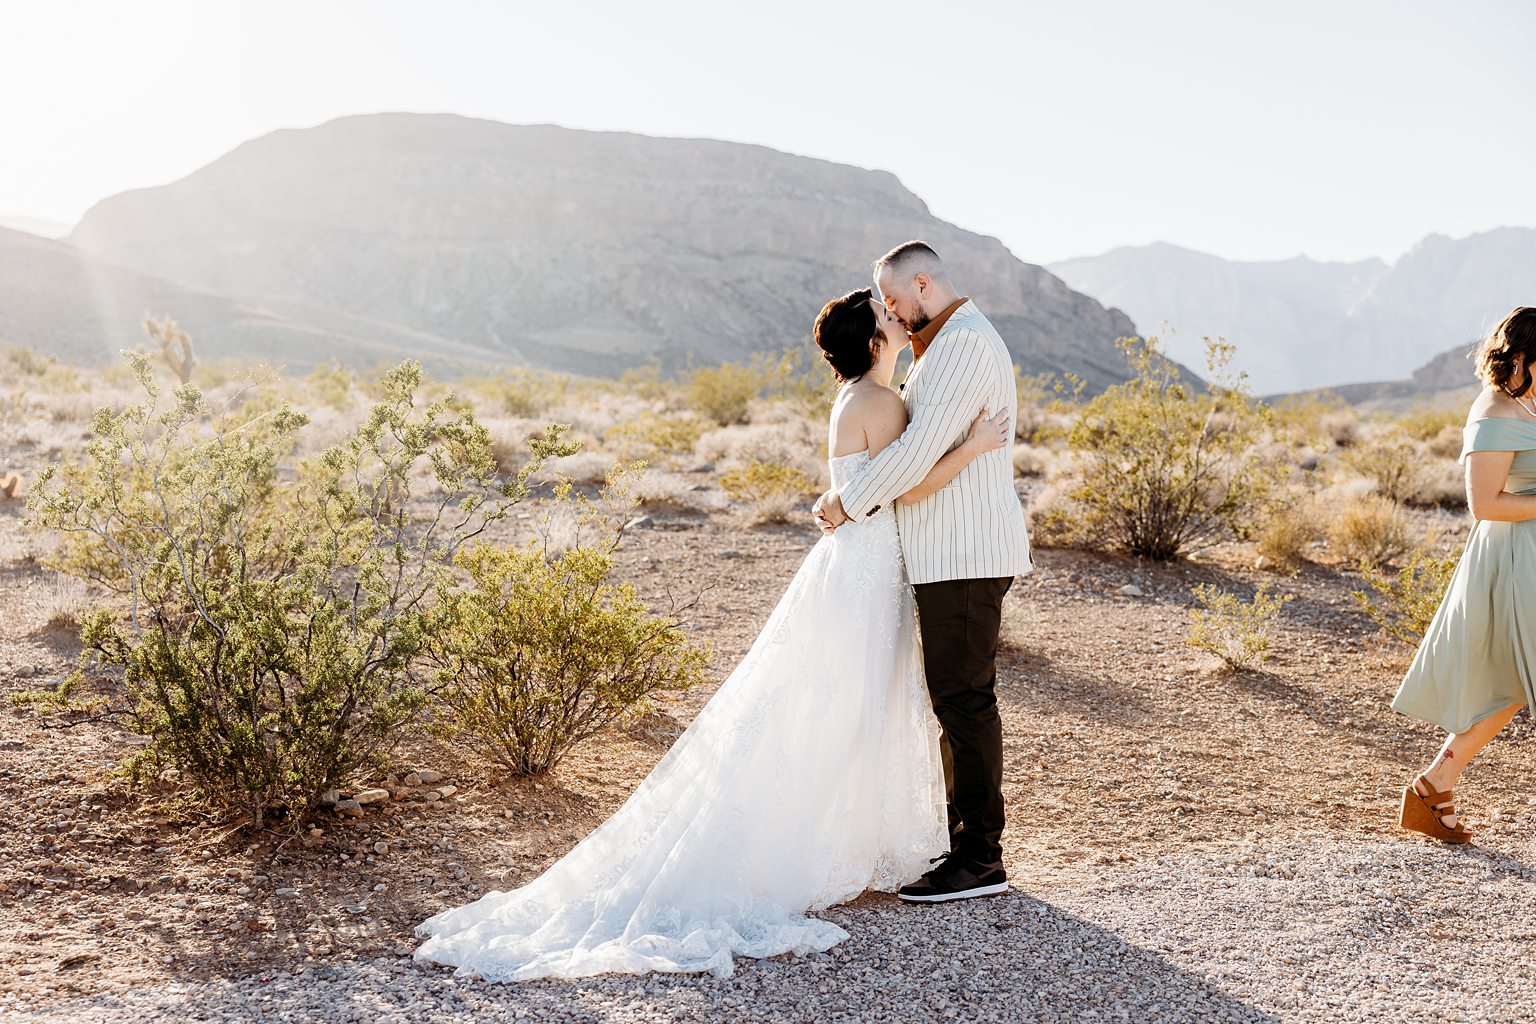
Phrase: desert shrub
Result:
[1036,398]
[1055,521]
[647,381]
[1446,444]
[1440,485]
[1235,631]
[29,362]
[570,518]
[1424,424]
[790,443]
[1285,534]
[536,655]
[275,611]
[522,392]
[1393,460]
[722,393]
[1404,602]
[652,436]
[333,384]
[772,490]
[1166,468]
[1369,528]
[797,377]
[1031,460]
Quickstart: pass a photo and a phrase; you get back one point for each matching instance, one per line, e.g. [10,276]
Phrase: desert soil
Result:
[1184,843]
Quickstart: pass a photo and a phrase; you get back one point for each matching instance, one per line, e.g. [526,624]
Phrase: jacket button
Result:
[872,511]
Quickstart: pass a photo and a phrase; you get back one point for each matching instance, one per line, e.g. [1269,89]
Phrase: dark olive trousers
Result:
[959,620]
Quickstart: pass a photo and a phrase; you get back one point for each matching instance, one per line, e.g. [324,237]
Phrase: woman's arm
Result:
[1487,473]
[985,435]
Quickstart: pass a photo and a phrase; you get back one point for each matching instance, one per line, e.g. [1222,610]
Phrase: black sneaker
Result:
[956,879]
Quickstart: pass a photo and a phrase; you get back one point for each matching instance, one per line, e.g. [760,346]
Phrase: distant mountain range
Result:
[571,250]
[1302,324]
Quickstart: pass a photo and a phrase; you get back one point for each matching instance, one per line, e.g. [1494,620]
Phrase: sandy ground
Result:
[1229,840]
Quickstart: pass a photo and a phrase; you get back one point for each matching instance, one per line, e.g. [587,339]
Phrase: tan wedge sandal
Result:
[1426,814]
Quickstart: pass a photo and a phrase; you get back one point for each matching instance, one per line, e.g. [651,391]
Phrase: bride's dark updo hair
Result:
[1516,336]
[845,332]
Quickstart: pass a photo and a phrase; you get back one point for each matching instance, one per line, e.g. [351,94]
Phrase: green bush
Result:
[535,656]
[722,393]
[773,490]
[1165,468]
[1404,602]
[1394,461]
[651,437]
[274,611]
[1237,632]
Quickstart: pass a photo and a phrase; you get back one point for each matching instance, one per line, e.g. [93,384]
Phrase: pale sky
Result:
[1341,129]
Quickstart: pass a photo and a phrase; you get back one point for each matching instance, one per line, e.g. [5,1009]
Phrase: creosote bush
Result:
[722,393]
[1164,468]
[772,491]
[1404,602]
[1235,631]
[538,654]
[274,608]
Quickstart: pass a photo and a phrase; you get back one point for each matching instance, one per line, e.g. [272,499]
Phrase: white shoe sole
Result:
[963,894]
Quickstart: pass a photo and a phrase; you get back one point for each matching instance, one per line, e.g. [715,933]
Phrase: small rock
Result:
[371,796]
[640,523]
[427,776]
[431,795]
[413,779]
[349,808]
[331,797]
[285,891]
[380,847]
[446,791]
[1262,562]
[1130,590]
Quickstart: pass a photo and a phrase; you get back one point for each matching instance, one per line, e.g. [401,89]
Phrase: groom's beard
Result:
[919,321]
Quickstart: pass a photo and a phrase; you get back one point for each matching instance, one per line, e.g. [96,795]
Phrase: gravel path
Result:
[1324,930]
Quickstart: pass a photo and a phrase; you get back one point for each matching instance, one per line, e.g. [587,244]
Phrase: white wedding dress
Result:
[812,774]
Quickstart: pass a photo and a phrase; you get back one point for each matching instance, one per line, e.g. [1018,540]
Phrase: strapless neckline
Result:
[862,451]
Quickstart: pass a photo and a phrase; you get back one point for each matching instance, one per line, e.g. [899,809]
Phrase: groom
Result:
[962,545]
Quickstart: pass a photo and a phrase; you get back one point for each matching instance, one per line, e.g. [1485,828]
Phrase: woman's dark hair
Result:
[1515,336]
[845,330]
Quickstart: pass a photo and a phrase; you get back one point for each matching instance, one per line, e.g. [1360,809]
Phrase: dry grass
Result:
[1370,529]
[1284,538]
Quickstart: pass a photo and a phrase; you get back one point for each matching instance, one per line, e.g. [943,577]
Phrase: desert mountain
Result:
[35,226]
[1304,324]
[569,249]
[58,300]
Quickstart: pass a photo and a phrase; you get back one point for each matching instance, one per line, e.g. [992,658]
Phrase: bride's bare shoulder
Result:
[874,404]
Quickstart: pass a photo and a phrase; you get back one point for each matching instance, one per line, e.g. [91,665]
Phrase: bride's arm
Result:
[985,435]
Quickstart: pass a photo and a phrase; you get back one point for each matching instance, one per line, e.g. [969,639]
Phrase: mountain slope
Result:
[59,300]
[568,248]
[1299,323]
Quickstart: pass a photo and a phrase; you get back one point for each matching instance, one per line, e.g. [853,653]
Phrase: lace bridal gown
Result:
[812,774]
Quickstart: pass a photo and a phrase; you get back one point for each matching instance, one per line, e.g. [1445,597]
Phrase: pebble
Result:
[427,776]
[1130,590]
[371,796]
[349,808]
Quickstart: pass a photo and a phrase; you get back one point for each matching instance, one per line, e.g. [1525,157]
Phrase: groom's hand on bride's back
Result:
[829,514]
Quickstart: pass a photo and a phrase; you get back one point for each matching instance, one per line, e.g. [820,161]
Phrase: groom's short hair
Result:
[910,259]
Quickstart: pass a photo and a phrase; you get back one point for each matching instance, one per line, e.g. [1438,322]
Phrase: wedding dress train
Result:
[811,774]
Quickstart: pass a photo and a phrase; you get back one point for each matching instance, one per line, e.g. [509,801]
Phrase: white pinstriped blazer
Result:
[973,527]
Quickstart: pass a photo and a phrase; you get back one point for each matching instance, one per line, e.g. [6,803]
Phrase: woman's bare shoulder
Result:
[1493,403]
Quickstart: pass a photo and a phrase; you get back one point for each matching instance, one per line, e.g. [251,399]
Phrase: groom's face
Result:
[904,298]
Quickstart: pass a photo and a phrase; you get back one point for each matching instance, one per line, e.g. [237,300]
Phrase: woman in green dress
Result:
[1476,666]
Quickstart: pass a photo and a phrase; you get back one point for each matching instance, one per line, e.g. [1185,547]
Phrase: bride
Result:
[812,774]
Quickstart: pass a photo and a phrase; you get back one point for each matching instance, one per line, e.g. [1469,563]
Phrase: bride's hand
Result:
[987,434]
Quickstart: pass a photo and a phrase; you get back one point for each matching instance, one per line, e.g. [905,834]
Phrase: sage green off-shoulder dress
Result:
[1479,654]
